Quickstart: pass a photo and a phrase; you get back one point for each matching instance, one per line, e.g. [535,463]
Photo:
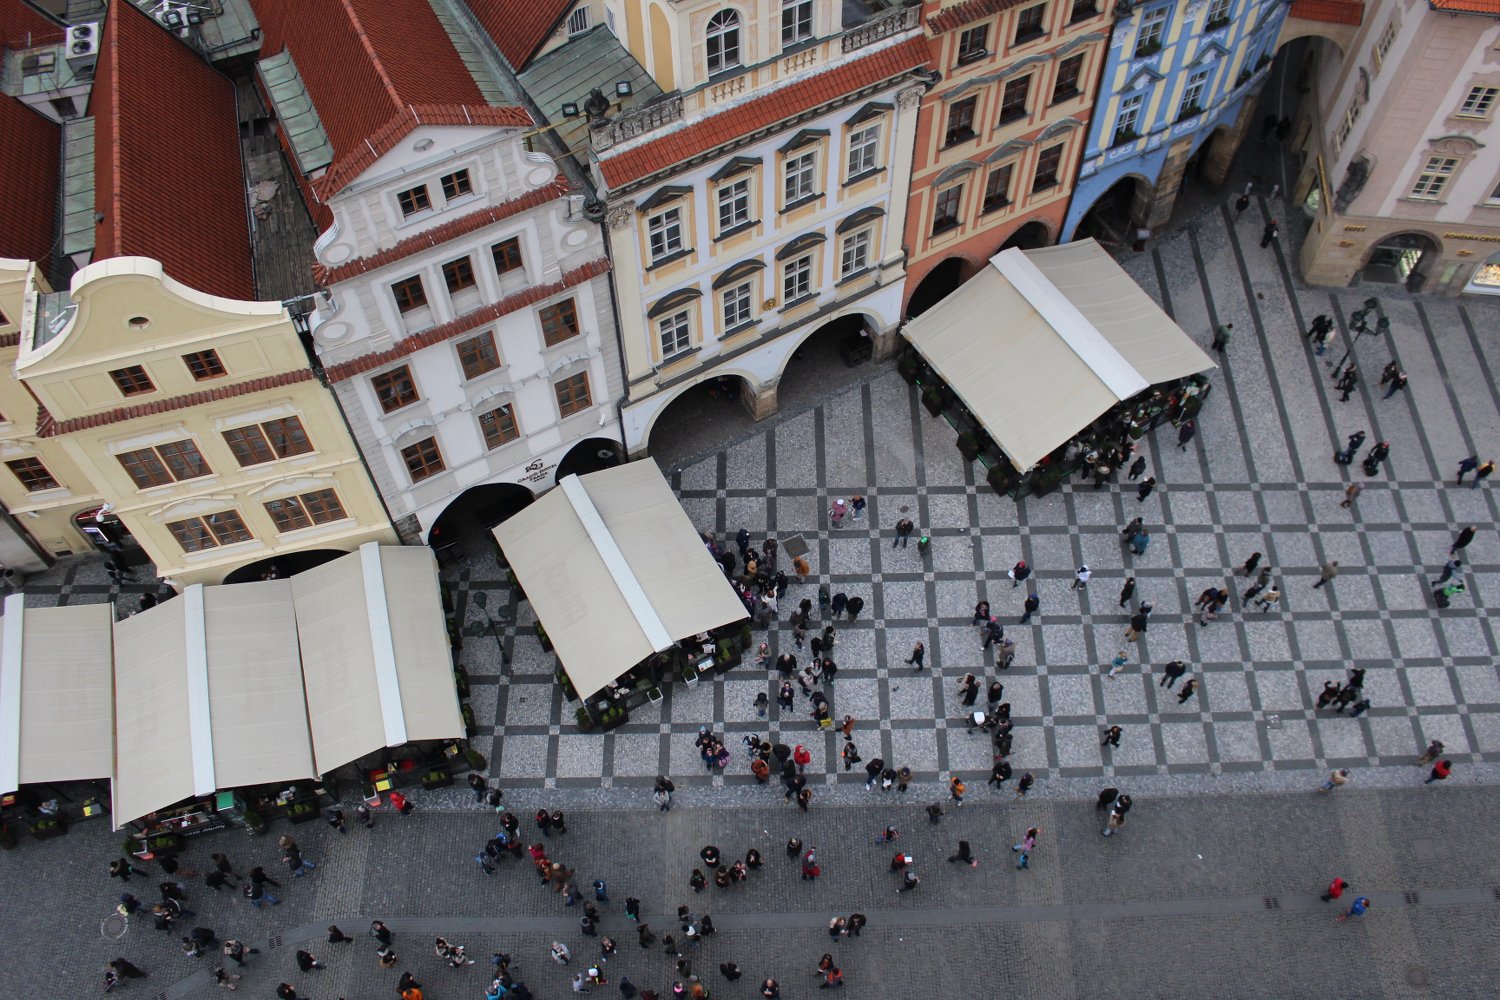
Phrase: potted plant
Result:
[1148,50]
[968,445]
[255,823]
[467,713]
[163,843]
[461,681]
[1124,135]
[909,366]
[933,400]
[541,634]
[566,682]
[582,717]
[474,758]
[436,779]
[1191,111]
[1216,24]
[47,827]
[301,812]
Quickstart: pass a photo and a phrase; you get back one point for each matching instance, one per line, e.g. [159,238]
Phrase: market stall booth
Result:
[56,709]
[623,588]
[1043,346]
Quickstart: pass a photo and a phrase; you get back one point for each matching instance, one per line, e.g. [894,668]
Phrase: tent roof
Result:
[56,693]
[615,571]
[1077,337]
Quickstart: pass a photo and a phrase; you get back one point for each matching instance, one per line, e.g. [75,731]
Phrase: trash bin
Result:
[856,349]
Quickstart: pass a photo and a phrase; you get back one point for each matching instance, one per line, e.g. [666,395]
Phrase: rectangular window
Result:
[499,426]
[287,437]
[1434,177]
[1383,46]
[796,279]
[409,293]
[734,204]
[1351,116]
[997,188]
[855,256]
[477,355]
[572,394]
[198,533]
[423,459]
[145,468]
[507,254]
[973,44]
[413,201]
[1148,36]
[1128,119]
[323,506]
[578,21]
[132,381]
[960,121]
[1046,168]
[945,210]
[395,388]
[1029,23]
[864,150]
[1013,101]
[291,513]
[288,514]
[796,21]
[1068,73]
[1218,14]
[1479,102]
[456,185]
[800,178]
[183,460]
[676,333]
[32,474]
[1083,10]
[737,305]
[249,446]
[1192,95]
[204,365]
[559,322]
[665,233]
[458,275]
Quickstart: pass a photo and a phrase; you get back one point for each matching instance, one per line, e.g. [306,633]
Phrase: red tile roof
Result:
[967,13]
[519,29]
[167,174]
[30,154]
[763,112]
[1467,6]
[468,321]
[47,426]
[437,235]
[374,70]
[1330,11]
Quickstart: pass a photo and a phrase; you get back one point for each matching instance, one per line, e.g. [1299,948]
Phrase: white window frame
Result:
[1153,29]
[1383,45]
[797,278]
[1434,177]
[578,21]
[1192,94]
[722,41]
[864,150]
[737,304]
[1346,125]
[801,169]
[674,334]
[664,233]
[1218,11]
[1129,114]
[854,253]
[1479,102]
[733,198]
[796,15]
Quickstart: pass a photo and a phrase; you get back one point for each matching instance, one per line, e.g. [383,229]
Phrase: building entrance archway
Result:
[464,525]
[709,413]
[1031,236]
[284,565]
[589,455]
[1114,215]
[936,286]
[1400,259]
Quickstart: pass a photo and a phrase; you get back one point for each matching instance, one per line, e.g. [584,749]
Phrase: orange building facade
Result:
[999,137]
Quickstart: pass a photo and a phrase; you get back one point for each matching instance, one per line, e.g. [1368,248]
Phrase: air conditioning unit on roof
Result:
[81,46]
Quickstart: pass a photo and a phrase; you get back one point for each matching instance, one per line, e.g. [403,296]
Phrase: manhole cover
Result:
[1416,976]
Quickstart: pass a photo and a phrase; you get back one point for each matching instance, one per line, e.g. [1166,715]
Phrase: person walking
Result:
[1137,627]
[1033,603]
[1329,694]
[1188,688]
[1127,591]
[1025,847]
[956,789]
[1018,573]
[1268,234]
[1269,600]
[1024,785]
[1263,578]
[1106,797]
[1144,490]
[1450,567]
[1359,908]
[1250,564]
[1137,467]
[1171,673]
[1139,541]
[1466,466]
[993,633]
[836,513]
[964,854]
[1482,473]
[1434,750]
[1337,778]
[1081,578]
[1112,736]
[1461,541]
[1185,434]
[1335,890]
[1440,771]
[1346,383]
[1351,494]
[1329,571]
[1114,823]
[1118,663]
[904,529]
[1221,336]
[918,651]
[981,613]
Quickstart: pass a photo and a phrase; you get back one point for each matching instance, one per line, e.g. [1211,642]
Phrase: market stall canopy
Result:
[56,693]
[375,653]
[615,572]
[1040,343]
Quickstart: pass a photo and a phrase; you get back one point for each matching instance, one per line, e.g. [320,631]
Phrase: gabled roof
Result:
[168,180]
[1334,11]
[759,113]
[520,28]
[29,156]
[375,70]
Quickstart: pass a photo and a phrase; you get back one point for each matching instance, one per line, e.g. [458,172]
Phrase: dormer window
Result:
[413,201]
[723,38]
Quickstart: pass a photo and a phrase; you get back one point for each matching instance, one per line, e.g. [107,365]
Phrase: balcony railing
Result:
[637,122]
[880,28]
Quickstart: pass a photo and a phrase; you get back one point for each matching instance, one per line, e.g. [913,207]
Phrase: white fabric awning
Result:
[56,693]
[1042,342]
[615,571]
[155,764]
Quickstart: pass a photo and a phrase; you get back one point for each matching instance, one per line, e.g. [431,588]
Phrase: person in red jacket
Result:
[1440,772]
[802,757]
[1335,890]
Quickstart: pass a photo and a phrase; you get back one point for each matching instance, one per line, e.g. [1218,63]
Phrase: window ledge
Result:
[669,258]
[799,301]
[735,331]
[1030,36]
[734,231]
[1418,200]
[946,227]
[958,140]
[1082,16]
[677,360]
[800,203]
[972,57]
[1008,119]
[854,276]
[864,176]
[995,206]
[1039,187]
[1066,96]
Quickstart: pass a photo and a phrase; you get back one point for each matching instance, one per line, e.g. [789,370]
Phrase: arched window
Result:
[723,41]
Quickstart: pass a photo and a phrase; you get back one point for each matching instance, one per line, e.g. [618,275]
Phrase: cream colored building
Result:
[197,418]
[1402,164]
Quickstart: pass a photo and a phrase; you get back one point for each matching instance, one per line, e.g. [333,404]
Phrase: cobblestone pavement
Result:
[1197,896]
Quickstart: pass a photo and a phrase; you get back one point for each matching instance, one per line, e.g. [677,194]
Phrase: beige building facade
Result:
[197,419]
[1401,171]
